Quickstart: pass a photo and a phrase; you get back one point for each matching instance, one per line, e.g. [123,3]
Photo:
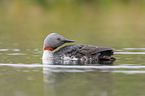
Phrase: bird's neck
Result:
[48,52]
[47,57]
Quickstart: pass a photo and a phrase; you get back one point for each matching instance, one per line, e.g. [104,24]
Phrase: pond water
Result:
[23,74]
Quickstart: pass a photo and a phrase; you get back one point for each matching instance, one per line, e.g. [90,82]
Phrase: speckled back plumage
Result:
[85,52]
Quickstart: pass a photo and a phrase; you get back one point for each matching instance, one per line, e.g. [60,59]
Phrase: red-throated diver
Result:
[83,52]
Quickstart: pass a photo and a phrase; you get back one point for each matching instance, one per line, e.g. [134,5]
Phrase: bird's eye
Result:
[58,38]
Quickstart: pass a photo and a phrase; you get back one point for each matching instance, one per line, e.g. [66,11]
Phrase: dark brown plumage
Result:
[85,52]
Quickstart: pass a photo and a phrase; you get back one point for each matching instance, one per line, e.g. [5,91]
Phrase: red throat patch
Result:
[48,48]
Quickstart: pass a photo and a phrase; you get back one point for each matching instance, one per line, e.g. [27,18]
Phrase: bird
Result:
[74,51]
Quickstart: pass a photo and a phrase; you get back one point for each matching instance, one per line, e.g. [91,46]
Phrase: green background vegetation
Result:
[110,23]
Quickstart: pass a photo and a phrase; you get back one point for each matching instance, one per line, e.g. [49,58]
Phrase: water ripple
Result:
[134,48]
[128,72]
[4,49]
[16,54]
[66,66]
[129,53]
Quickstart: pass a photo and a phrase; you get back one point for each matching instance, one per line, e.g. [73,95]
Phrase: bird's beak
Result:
[68,41]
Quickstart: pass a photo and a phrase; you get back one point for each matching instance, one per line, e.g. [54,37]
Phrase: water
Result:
[23,74]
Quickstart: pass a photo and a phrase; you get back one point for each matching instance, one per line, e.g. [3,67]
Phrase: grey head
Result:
[55,40]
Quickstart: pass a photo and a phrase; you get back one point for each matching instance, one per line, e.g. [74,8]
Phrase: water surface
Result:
[23,74]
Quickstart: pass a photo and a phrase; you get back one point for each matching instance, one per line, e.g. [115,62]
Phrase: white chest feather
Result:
[47,57]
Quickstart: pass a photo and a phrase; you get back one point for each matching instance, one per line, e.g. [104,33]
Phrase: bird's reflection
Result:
[47,74]
[86,82]
[78,62]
